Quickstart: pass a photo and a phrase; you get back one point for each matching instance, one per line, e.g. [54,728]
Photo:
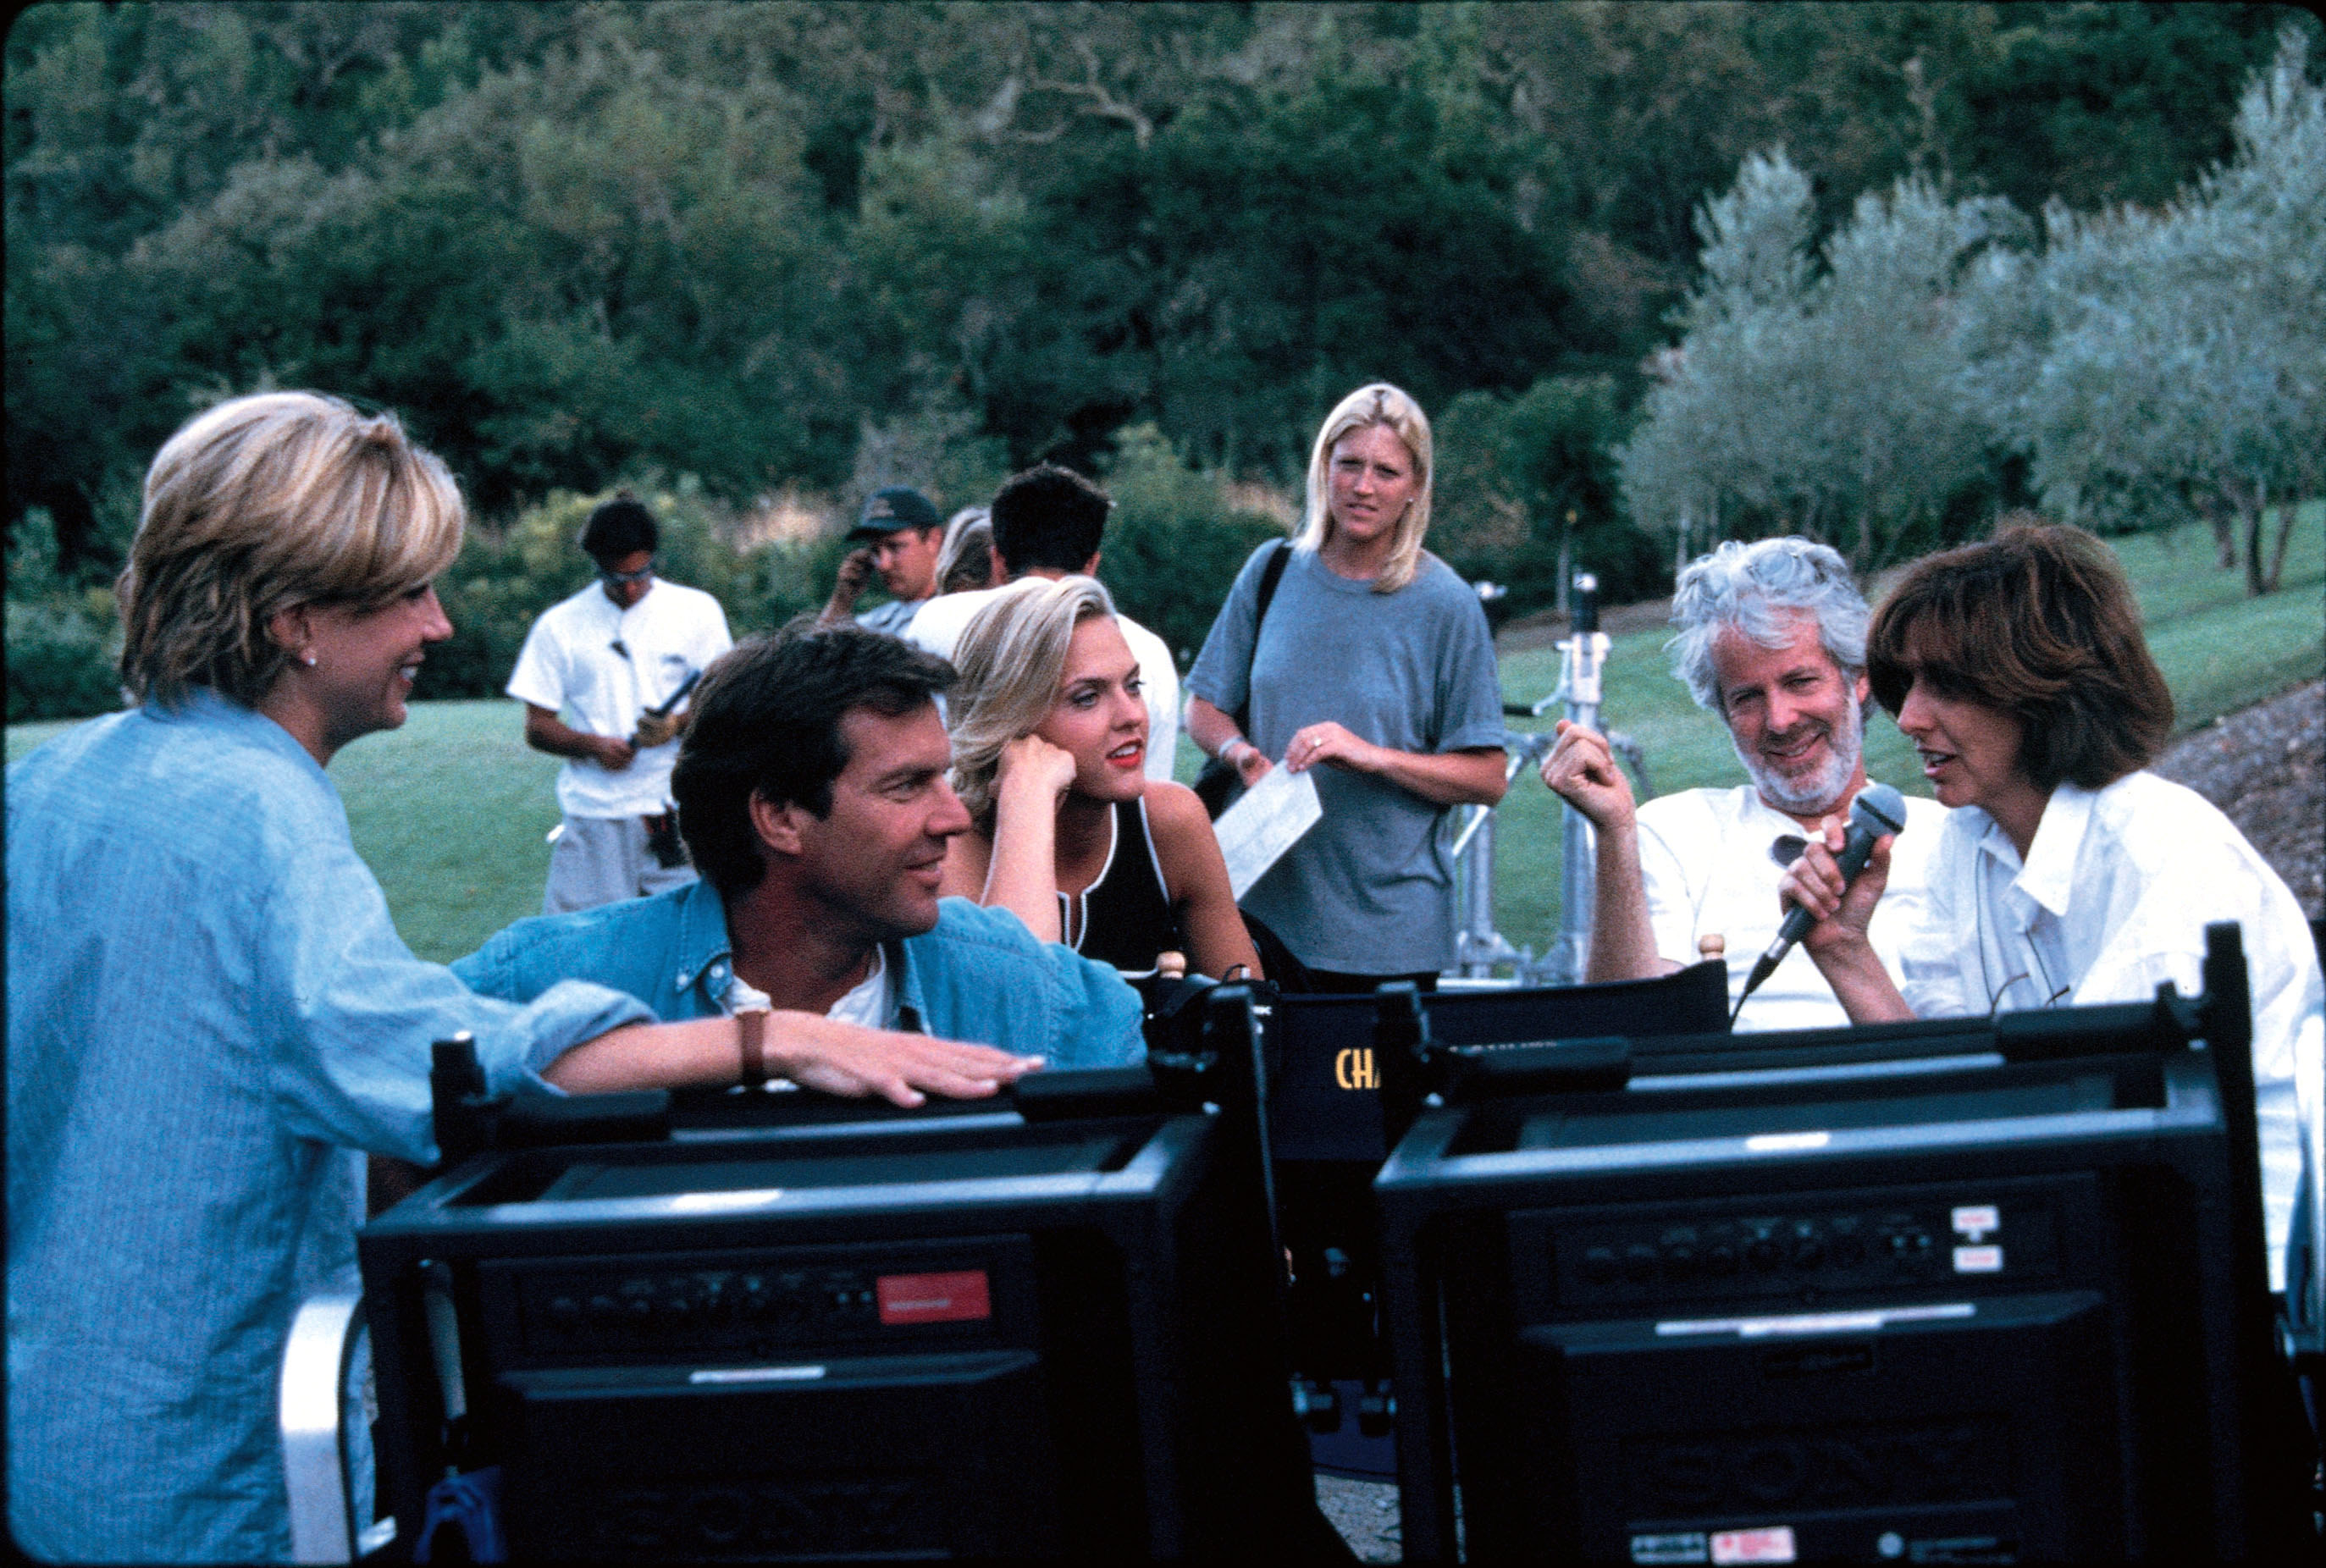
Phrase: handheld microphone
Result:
[1879,810]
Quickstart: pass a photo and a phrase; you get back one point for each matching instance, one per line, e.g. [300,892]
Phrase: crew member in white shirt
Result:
[2066,874]
[1772,640]
[619,658]
[1047,523]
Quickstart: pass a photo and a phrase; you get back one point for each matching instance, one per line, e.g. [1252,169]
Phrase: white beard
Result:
[1821,791]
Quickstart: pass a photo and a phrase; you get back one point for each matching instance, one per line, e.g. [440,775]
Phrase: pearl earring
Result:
[307,657]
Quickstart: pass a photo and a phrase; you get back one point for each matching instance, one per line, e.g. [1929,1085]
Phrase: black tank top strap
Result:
[1126,915]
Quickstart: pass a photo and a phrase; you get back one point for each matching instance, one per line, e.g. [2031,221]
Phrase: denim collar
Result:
[706,955]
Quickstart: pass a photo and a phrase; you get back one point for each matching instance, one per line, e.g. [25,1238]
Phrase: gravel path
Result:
[1365,1513]
[2266,767]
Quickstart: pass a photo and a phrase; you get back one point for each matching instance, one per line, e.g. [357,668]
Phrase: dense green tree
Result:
[1253,263]
[1527,492]
[2097,105]
[774,244]
[1172,544]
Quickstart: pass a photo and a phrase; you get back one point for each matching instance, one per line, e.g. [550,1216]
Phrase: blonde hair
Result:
[962,559]
[262,504]
[1382,404]
[1011,656]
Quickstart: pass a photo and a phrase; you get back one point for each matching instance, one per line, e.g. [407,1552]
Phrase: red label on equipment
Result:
[1773,1544]
[935,1298]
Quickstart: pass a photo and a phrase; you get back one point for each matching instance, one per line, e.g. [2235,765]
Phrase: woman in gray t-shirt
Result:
[1373,659]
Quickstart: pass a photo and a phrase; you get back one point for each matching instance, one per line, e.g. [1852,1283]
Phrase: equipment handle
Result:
[663,709]
[1584,596]
[445,1339]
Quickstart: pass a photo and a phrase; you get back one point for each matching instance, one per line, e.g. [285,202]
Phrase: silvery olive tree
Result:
[2176,362]
[1821,396]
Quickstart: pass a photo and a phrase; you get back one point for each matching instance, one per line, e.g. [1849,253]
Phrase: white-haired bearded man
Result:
[1772,640]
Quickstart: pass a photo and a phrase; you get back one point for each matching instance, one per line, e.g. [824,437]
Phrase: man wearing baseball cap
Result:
[897,534]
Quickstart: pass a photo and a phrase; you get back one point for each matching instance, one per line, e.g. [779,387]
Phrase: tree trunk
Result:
[2224,526]
[2254,518]
[2286,510]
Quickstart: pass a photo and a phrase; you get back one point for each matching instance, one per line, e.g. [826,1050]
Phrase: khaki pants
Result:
[602,859]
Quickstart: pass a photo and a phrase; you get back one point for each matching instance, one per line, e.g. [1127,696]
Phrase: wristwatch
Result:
[751,1028]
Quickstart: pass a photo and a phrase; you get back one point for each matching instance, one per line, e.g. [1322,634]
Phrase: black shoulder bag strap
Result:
[1269,576]
[1217,780]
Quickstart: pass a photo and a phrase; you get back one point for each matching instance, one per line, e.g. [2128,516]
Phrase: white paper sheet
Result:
[1268,820]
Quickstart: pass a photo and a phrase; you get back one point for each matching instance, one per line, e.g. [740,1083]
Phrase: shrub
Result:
[63,644]
[59,663]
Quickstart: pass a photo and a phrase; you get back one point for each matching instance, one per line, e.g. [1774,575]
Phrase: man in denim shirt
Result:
[812,796]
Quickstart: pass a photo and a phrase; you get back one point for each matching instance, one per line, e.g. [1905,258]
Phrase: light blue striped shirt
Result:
[208,1008]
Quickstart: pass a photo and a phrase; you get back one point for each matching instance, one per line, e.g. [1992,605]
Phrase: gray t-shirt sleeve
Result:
[1472,687]
[890,619]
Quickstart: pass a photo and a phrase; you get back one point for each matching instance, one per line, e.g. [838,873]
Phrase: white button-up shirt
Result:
[2112,900]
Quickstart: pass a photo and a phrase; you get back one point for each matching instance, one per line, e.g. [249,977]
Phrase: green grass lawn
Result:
[451,809]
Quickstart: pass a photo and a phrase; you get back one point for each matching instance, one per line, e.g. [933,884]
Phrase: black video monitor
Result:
[1993,1299]
[1343,1085]
[940,1335]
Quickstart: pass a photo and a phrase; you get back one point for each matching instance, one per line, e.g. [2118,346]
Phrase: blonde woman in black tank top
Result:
[1049,738]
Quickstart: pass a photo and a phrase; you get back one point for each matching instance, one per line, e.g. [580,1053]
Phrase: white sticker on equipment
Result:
[1771,1544]
[808,1374]
[1680,1546]
[723,1203]
[1976,1221]
[1786,1143]
[1978,1260]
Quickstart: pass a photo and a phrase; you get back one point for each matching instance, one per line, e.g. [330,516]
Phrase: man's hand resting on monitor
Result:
[819,1053]
[806,1048]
